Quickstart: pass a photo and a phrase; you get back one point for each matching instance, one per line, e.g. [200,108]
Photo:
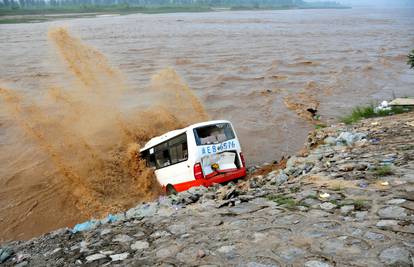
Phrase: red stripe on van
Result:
[220,178]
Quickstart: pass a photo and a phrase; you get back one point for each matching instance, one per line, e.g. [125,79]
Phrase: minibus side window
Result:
[162,159]
[171,152]
[149,158]
[178,149]
[178,153]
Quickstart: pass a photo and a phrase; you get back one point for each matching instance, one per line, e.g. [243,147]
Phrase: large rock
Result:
[166,252]
[311,202]
[392,212]
[95,257]
[226,249]
[385,224]
[119,257]
[349,138]
[292,161]
[105,231]
[315,263]
[165,212]
[290,254]
[327,206]
[255,264]
[408,176]
[347,209]
[142,211]
[396,201]
[308,167]
[307,193]
[280,178]
[177,229]
[294,167]
[140,245]
[361,215]
[164,201]
[160,234]
[227,192]
[330,140]
[347,167]
[123,238]
[197,190]
[396,256]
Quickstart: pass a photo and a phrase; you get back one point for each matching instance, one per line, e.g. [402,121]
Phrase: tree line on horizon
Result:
[148,3]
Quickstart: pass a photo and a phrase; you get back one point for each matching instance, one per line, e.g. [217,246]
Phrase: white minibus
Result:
[200,154]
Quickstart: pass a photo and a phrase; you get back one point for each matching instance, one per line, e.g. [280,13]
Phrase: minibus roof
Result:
[159,139]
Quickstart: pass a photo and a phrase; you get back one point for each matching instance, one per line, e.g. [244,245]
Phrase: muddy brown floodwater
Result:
[79,97]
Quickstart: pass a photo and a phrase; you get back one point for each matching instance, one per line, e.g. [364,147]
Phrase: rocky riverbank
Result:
[347,200]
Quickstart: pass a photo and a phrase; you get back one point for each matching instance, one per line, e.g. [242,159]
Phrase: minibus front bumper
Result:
[219,178]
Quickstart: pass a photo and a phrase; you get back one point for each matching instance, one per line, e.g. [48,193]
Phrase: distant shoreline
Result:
[13,16]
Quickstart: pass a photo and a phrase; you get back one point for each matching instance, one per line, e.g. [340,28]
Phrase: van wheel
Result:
[170,190]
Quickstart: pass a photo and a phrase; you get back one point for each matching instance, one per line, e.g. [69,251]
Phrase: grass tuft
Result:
[320,126]
[337,187]
[365,112]
[287,202]
[383,170]
[360,204]
[294,189]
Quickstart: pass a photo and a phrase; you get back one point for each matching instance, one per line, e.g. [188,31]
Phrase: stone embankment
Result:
[347,200]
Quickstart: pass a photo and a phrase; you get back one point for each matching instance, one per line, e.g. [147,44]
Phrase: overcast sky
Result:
[379,3]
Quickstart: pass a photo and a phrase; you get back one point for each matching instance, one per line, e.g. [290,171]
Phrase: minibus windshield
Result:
[213,134]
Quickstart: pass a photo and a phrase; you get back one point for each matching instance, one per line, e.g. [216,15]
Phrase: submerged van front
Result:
[201,154]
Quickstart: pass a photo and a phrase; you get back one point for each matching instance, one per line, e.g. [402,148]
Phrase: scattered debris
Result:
[384,106]
[402,102]
[324,195]
[349,139]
